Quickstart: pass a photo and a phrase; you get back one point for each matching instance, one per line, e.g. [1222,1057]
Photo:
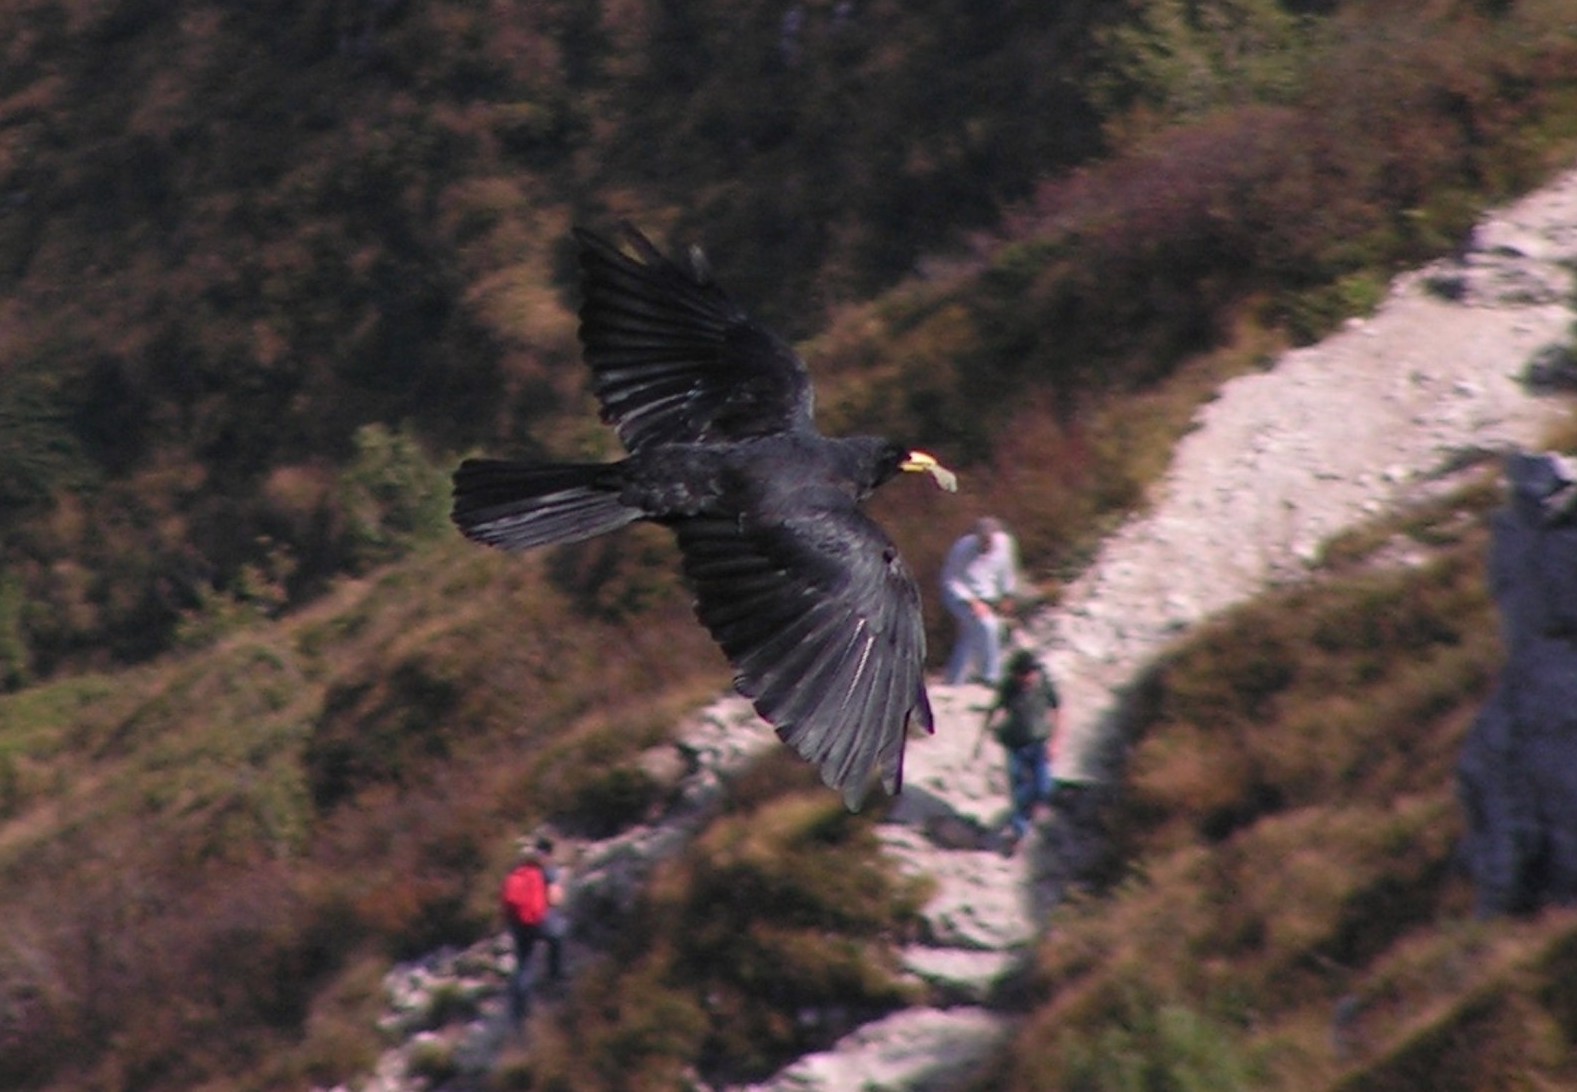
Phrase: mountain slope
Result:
[1361,810]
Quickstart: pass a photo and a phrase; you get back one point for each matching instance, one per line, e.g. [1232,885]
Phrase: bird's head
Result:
[869,462]
[920,462]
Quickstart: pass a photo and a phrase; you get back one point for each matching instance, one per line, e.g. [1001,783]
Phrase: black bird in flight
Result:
[805,593]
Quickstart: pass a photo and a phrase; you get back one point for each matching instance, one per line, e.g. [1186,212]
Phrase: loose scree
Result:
[805,594]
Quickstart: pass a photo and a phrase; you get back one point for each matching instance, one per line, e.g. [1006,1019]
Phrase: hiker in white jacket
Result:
[981,572]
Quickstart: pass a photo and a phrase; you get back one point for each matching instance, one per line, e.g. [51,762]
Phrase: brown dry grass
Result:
[771,936]
[306,799]
[246,829]
[1292,916]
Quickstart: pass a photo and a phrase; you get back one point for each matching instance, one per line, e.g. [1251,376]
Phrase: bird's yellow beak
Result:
[919,461]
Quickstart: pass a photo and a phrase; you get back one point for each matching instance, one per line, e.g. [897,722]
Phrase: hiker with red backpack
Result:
[531,896]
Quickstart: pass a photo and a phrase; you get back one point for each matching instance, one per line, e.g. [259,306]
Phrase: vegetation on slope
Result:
[773,936]
[196,848]
[231,238]
[1291,915]
[266,273]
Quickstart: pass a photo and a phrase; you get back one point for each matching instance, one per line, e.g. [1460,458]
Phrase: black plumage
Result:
[805,593]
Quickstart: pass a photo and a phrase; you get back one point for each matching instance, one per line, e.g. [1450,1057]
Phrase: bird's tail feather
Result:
[516,506]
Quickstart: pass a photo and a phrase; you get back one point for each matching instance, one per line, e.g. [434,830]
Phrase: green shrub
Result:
[1311,314]
[1156,1046]
[393,497]
[432,1060]
[450,1002]
[383,731]
[607,801]
[15,659]
[1172,62]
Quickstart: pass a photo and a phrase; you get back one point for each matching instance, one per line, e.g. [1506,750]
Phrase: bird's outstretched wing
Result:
[674,359]
[821,620]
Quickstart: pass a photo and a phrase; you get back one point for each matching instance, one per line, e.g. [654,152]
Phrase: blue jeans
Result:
[979,642]
[1029,774]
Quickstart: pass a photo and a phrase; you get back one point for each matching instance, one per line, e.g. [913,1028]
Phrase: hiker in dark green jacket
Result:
[1025,719]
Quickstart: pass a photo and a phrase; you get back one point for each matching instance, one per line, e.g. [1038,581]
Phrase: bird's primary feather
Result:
[821,620]
[674,360]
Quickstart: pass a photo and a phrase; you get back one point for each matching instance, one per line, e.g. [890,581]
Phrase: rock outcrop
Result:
[1517,775]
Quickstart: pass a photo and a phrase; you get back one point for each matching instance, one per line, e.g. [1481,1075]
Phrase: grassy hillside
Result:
[231,238]
[193,849]
[265,274]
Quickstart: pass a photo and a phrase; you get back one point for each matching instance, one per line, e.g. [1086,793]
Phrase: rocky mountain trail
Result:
[1461,362]
[977,929]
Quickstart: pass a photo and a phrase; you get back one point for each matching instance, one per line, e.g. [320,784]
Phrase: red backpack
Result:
[526,895]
